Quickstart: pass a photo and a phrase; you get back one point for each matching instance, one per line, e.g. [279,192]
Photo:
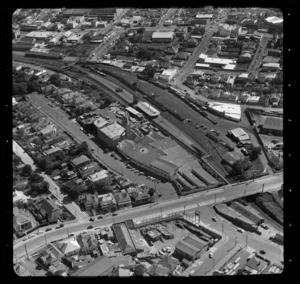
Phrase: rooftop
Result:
[275,123]
[163,35]
[97,267]
[80,160]
[98,175]
[124,238]
[113,131]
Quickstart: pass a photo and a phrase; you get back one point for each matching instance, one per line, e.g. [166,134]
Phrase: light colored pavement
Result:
[53,187]
[267,183]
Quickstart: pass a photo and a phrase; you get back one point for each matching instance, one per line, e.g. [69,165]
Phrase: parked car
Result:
[262,252]
[240,230]
[119,90]
[48,229]
[114,214]
[264,226]
[214,219]
[244,151]
[81,128]
[92,219]
[210,255]
[90,227]
[100,217]
[239,145]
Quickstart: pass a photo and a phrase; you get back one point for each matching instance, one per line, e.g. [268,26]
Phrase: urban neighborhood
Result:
[147,142]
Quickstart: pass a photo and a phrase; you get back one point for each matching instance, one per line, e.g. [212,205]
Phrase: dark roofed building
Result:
[278,238]
[246,213]
[190,248]
[101,266]
[50,209]
[123,199]
[158,270]
[169,262]
[124,239]
[80,161]
[273,125]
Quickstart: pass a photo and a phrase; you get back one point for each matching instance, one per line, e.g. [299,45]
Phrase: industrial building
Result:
[111,134]
[272,125]
[148,109]
[229,111]
[239,134]
[124,239]
[163,36]
[190,248]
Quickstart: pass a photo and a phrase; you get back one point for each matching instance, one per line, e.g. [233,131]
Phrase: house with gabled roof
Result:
[50,210]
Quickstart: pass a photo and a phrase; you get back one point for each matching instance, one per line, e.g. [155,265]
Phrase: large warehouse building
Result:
[272,125]
[229,111]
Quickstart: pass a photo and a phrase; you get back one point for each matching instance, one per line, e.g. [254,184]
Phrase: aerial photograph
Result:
[147,141]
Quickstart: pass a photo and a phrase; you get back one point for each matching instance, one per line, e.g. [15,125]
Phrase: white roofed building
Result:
[111,134]
[229,111]
[270,66]
[102,176]
[163,36]
[168,74]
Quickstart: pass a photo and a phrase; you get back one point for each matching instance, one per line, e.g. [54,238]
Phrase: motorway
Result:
[209,197]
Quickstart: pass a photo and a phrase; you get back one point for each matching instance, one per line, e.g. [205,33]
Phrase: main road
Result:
[267,183]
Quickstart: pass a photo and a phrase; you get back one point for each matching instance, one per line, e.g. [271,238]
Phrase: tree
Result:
[26,171]
[16,160]
[39,188]
[139,270]
[72,190]
[33,86]
[144,54]
[254,152]
[239,167]
[140,30]
[151,191]
[54,79]
[44,163]
[35,178]
[113,207]
[82,147]
[149,71]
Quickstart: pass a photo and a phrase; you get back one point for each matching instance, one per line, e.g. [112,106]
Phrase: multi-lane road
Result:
[209,197]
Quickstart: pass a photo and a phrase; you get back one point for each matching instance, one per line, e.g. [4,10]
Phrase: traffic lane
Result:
[206,198]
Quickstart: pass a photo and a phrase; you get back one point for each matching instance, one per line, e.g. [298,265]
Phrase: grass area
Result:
[267,203]
[76,50]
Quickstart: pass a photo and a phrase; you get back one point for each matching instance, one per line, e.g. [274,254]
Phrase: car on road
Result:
[100,217]
[40,232]
[240,230]
[262,252]
[81,128]
[91,219]
[214,219]
[264,226]
[25,239]
[90,227]
[240,145]
[114,214]
[210,255]
[119,90]
[48,229]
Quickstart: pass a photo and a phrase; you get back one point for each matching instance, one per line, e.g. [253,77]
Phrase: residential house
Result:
[88,242]
[102,176]
[169,262]
[101,266]
[22,222]
[68,246]
[50,210]
[140,197]
[190,248]
[158,270]
[106,201]
[79,161]
[50,255]
[123,199]
[88,169]
[88,201]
